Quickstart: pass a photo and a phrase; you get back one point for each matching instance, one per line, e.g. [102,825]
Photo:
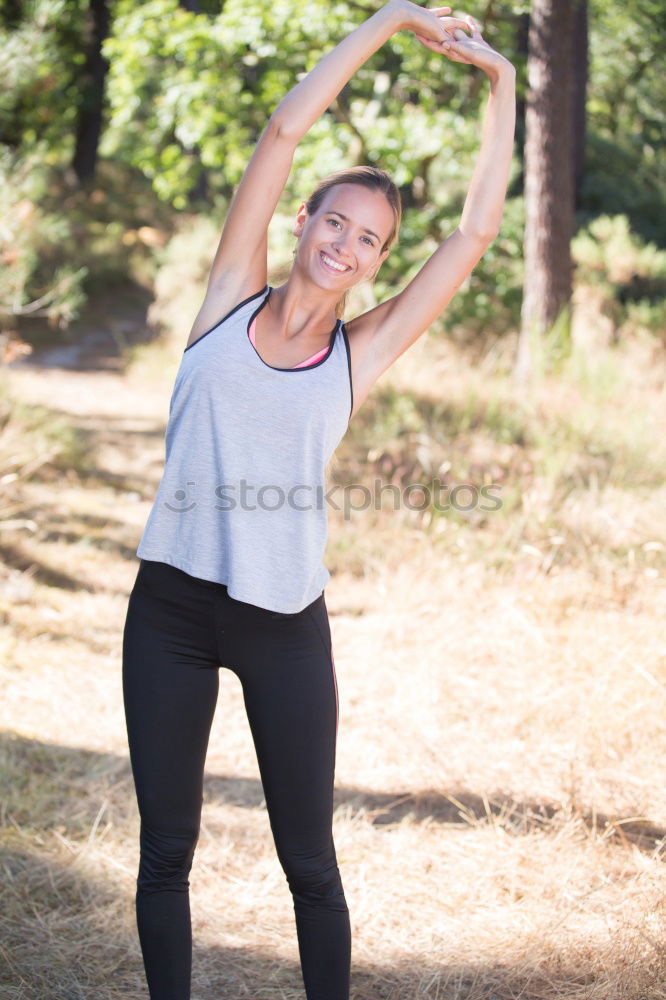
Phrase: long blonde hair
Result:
[367,176]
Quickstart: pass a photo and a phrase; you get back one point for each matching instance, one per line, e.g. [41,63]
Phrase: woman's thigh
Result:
[170,685]
[288,680]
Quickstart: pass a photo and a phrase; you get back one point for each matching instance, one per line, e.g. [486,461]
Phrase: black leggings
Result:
[179,630]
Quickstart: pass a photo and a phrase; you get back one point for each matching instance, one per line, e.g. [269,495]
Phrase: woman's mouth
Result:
[330,265]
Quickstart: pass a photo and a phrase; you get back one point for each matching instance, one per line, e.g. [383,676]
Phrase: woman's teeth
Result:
[332,263]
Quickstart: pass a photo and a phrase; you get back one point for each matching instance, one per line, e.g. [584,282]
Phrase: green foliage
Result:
[490,299]
[620,180]
[33,279]
[40,60]
[630,275]
[189,92]
[183,267]
[626,109]
[187,96]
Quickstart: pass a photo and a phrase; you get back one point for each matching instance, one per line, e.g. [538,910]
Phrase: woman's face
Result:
[349,229]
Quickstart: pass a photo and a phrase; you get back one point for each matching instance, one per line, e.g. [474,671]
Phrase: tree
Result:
[89,121]
[549,175]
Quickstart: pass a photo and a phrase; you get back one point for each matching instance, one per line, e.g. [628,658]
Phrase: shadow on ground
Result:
[69,934]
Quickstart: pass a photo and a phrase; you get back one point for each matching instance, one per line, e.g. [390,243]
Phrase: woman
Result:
[231,571]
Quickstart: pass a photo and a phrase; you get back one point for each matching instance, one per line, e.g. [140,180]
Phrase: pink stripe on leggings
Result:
[335,681]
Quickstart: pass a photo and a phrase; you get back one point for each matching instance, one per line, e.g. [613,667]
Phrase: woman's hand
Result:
[429,24]
[475,50]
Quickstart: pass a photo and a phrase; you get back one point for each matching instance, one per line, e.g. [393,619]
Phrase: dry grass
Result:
[499,824]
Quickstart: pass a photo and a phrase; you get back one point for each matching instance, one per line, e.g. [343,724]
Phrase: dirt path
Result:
[119,420]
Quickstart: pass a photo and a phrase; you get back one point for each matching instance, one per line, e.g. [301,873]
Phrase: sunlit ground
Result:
[500,817]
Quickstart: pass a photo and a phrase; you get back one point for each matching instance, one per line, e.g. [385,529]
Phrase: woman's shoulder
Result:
[221,301]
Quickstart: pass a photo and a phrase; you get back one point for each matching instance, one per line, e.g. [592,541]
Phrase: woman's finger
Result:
[456,22]
[458,30]
[476,31]
[455,51]
[437,47]
[429,44]
[440,48]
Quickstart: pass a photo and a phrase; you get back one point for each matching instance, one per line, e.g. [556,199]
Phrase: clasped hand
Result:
[448,36]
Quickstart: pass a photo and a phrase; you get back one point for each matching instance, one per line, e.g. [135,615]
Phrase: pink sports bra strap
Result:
[308,361]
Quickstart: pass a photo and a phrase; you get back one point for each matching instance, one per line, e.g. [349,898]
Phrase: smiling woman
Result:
[268,382]
[354,219]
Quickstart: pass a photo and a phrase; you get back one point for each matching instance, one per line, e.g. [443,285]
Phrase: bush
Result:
[183,268]
[33,281]
[628,274]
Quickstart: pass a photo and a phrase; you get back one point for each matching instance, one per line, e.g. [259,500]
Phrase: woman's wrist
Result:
[395,13]
[503,76]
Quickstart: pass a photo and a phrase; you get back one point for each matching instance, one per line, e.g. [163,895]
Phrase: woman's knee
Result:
[315,880]
[166,858]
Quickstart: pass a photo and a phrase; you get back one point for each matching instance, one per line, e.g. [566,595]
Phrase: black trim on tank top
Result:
[234,310]
[349,366]
[303,368]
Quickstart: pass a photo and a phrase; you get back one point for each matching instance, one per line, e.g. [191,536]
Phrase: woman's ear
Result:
[382,257]
[301,218]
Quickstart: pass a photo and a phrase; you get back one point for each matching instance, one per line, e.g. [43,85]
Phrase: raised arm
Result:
[308,100]
[240,260]
[391,327]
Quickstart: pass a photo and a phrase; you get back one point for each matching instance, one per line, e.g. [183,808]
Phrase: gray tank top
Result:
[242,499]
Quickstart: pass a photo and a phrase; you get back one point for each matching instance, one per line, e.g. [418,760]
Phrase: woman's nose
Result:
[340,245]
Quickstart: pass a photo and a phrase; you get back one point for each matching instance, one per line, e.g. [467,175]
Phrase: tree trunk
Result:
[11,14]
[89,123]
[522,34]
[549,172]
[201,190]
[580,70]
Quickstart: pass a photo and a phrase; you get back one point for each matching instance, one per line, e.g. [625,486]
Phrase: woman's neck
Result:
[296,308]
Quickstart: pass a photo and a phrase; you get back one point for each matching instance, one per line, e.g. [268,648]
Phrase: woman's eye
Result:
[367,238]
